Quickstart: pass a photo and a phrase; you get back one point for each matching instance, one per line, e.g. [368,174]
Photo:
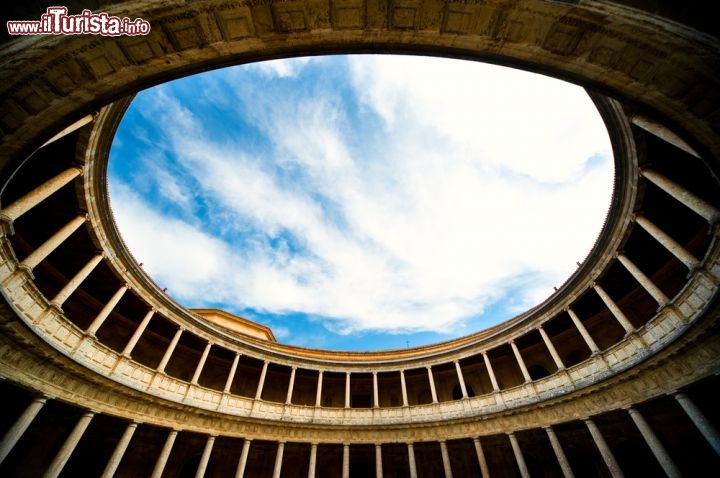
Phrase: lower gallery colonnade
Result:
[616,374]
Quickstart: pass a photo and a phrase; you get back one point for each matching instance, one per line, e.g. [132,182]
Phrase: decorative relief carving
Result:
[348,14]
[185,34]
[458,19]
[562,39]
[290,17]
[404,14]
[236,24]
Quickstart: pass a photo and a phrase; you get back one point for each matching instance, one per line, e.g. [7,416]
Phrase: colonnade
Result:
[664,459]
[481,362]
[31,199]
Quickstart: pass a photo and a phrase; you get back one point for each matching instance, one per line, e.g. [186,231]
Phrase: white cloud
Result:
[491,113]
[281,68]
[417,232]
[177,255]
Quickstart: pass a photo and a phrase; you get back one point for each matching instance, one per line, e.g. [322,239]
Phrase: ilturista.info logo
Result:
[57,22]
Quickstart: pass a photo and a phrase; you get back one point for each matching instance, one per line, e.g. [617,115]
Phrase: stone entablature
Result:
[671,322]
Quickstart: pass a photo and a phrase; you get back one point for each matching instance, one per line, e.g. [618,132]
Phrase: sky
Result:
[363,202]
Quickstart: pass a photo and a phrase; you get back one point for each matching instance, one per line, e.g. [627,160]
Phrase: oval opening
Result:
[362,202]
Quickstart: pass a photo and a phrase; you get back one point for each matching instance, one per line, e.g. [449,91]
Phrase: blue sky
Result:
[362,202]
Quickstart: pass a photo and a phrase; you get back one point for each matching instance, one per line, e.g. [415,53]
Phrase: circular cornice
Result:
[109,239]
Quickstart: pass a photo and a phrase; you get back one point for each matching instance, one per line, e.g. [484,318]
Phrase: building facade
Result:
[616,374]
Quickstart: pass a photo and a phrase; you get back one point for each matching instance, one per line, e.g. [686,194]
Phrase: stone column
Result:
[205,457]
[12,436]
[201,364]
[105,312]
[519,456]
[461,379]
[616,312]
[278,460]
[521,363]
[313,460]
[138,333]
[73,127]
[493,380]
[446,459]
[231,375]
[164,455]
[376,392]
[346,461]
[411,461]
[47,247]
[644,280]
[668,242]
[433,392]
[701,422]
[583,331]
[378,461]
[36,196]
[403,388]
[119,452]
[481,458]
[318,394]
[661,454]
[605,452]
[75,282]
[240,473]
[551,348]
[663,133]
[291,385]
[69,446]
[347,389]
[170,350]
[693,202]
[261,383]
[559,453]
